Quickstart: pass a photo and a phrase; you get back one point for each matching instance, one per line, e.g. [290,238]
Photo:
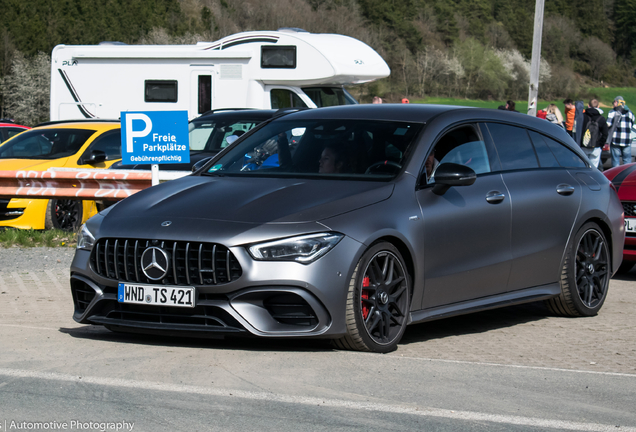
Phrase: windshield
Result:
[347,149]
[210,135]
[329,96]
[45,144]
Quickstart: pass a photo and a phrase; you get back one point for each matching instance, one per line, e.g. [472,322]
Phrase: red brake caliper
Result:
[365,295]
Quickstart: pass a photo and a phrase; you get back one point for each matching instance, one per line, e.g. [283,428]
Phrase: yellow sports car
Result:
[67,144]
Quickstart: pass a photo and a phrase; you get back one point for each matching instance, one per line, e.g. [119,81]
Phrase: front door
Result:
[456,267]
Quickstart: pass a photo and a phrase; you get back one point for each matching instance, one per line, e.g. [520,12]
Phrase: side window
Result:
[11,132]
[460,146]
[546,158]
[160,91]
[566,157]
[282,57]
[109,143]
[513,146]
[282,98]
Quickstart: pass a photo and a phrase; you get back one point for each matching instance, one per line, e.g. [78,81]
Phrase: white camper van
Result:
[264,69]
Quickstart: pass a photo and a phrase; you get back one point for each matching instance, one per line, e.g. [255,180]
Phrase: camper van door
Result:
[201,84]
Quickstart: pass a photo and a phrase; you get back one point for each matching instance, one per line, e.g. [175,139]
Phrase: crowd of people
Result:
[596,131]
[616,131]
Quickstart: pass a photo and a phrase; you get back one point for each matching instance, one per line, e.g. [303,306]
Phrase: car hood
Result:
[250,200]
[30,164]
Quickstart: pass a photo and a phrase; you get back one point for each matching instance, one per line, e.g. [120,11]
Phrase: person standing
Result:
[593,149]
[570,110]
[620,121]
[553,115]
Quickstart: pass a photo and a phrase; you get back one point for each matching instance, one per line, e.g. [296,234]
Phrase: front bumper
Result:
[270,299]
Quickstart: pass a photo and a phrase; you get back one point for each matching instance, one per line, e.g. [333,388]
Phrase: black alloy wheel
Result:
[585,274]
[64,214]
[378,301]
[592,268]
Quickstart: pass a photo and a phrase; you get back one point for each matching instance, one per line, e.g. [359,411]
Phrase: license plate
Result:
[630,225]
[155,295]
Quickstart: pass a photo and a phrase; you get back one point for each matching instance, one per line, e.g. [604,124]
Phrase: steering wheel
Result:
[385,163]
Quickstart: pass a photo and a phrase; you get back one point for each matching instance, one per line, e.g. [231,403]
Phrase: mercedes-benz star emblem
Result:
[166,223]
[154,263]
[384,298]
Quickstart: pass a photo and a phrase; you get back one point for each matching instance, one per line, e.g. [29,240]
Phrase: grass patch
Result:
[606,95]
[36,238]
[521,106]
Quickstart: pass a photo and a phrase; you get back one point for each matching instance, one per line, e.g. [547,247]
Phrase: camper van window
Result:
[329,96]
[282,98]
[161,91]
[282,57]
[205,93]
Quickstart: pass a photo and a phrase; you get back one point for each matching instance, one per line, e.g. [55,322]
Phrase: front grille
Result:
[630,208]
[207,316]
[290,309]
[189,263]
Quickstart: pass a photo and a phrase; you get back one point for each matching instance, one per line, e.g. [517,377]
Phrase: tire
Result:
[378,301]
[585,274]
[625,267]
[66,215]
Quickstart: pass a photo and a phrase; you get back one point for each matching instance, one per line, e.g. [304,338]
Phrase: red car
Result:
[9,129]
[624,180]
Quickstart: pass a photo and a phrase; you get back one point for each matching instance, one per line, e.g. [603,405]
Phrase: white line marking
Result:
[313,401]
[30,327]
[32,305]
[56,283]
[517,366]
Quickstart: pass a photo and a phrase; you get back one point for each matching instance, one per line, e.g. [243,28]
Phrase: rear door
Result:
[545,201]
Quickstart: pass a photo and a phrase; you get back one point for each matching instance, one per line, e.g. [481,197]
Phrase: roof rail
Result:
[99,120]
[224,109]
[287,110]
[6,120]
[294,29]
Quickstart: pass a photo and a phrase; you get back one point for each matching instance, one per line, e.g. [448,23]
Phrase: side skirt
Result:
[527,295]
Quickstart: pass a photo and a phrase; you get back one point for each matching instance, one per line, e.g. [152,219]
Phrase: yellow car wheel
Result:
[63,214]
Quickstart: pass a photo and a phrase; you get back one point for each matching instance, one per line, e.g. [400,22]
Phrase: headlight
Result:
[303,249]
[85,239]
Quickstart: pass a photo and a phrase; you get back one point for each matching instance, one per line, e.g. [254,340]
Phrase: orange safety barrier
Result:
[77,184]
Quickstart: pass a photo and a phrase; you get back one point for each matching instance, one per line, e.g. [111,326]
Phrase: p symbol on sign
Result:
[130,133]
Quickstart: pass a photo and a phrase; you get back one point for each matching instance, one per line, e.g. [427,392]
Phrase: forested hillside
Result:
[453,48]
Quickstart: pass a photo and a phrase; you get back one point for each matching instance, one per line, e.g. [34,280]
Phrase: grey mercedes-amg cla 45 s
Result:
[350,223]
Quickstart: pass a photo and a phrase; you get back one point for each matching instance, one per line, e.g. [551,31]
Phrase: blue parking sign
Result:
[154,137]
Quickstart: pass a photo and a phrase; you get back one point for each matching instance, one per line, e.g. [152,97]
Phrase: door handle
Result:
[495,197]
[565,189]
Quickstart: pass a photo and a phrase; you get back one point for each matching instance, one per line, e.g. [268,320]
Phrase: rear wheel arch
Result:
[607,232]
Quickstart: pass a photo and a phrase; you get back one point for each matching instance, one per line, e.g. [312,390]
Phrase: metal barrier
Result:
[73,183]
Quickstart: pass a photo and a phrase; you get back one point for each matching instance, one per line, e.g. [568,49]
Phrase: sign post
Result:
[154,137]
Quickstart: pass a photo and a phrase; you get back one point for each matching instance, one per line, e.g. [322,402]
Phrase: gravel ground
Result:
[35,258]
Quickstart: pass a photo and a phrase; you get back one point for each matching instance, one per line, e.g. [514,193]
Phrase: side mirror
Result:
[448,175]
[198,165]
[96,156]
[231,139]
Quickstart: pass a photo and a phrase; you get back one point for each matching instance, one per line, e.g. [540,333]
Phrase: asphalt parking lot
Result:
[516,368]
[35,288]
